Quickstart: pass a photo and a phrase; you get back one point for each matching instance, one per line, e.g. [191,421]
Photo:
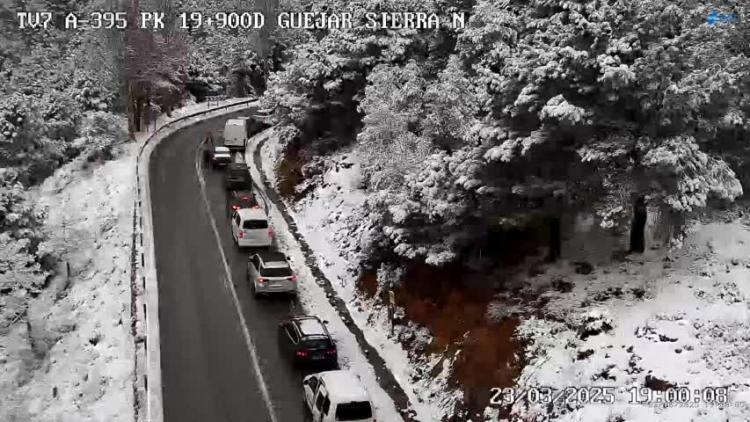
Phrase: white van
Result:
[333,396]
[250,228]
[236,133]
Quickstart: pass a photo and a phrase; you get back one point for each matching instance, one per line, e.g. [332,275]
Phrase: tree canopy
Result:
[542,106]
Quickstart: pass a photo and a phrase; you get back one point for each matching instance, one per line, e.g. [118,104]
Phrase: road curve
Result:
[208,372]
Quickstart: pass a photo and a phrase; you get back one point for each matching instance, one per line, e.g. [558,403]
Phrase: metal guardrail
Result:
[215,99]
[148,403]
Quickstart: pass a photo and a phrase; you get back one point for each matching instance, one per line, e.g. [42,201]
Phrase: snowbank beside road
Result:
[313,299]
[74,360]
[682,318]
[323,218]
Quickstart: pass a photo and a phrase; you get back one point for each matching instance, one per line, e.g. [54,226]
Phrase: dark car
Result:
[215,154]
[239,199]
[306,341]
[237,177]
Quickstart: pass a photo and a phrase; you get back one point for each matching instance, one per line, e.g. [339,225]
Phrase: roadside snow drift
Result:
[73,361]
[324,218]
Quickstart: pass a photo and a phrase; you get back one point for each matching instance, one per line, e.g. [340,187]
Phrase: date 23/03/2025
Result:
[550,395]
[579,395]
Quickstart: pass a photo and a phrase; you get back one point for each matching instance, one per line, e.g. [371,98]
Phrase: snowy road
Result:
[207,369]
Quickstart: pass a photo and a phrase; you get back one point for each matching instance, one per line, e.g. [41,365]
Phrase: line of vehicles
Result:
[328,396]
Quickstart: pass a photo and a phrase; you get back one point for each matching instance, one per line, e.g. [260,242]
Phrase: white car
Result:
[250,228]
[336,396]
[269,272]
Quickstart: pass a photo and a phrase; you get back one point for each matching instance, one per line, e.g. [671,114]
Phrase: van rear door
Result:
[257,229]
[235,133]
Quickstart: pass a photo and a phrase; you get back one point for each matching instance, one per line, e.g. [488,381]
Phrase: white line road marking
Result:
[230,286]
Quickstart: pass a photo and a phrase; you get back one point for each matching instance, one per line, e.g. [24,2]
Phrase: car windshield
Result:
[276,272]
[255,224]
[353,411]
[317,344]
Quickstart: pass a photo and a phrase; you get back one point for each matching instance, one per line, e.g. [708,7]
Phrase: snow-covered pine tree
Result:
[617,82]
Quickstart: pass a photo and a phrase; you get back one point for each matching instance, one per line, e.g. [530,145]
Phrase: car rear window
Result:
[245,199]
[255,224]
[276,272]
[239,172]
[353,411]
[317,344]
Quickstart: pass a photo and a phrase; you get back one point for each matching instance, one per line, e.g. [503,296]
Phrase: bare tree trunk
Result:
[269,9]
[555,239]
[137,113]
[638,226]
[131,121]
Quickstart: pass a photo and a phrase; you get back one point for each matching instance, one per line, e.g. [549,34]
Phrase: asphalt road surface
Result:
[207,369]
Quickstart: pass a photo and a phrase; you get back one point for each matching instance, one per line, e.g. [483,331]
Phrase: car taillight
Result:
[235,207]
[293,278]
[331,352]
[262,280]
[270,232]
[242,234]
[301,353]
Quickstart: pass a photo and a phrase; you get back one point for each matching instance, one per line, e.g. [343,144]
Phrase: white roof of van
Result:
[344,386]
[252,214]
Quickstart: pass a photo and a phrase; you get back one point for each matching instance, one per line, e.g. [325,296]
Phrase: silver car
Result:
[269,272]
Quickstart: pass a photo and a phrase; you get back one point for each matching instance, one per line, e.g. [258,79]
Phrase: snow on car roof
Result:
[252,214]
[311,327]
[275,264]
[344,386]
[268,256]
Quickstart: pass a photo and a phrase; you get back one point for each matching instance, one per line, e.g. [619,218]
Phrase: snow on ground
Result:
[313,299]
[323,217]
[190,107]
[74,361]
[681,317]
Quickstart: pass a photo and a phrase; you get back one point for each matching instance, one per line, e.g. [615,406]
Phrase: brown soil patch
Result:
[491,354]
[368,284]
[289,173]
